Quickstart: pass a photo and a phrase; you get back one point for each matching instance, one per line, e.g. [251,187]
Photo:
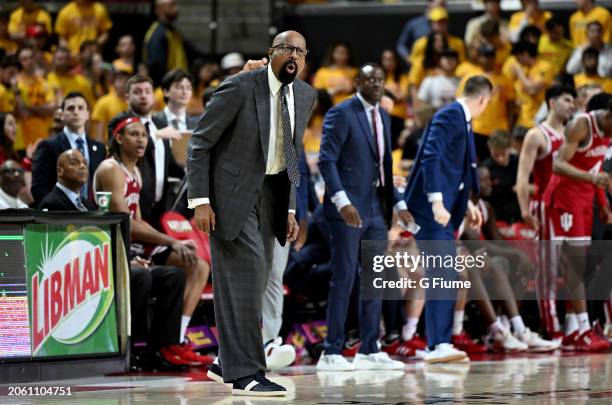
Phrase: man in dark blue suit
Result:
[355,162]
[438,191]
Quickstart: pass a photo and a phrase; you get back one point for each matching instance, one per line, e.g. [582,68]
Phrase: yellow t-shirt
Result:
[77,23]
[495,116]
[106,108]
[21,19]
[578,24]
[583,79]
[65,84]
[467,68]
[530,104]
[34,91]
[516,20]
[418,49]
[312,135]
[555,53]
[399,108]
[329,77]
[7,100]
[119,64]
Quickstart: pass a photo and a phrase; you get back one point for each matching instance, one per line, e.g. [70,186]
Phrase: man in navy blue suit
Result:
[355,162]
[438,191]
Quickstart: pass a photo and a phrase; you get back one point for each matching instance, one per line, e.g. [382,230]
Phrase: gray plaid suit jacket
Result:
[228,151]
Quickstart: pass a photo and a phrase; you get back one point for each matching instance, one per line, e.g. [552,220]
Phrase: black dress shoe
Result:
[215,373]
[258,386]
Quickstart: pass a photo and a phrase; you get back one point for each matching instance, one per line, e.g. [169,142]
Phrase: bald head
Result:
[11,178]
[72,170]
[289,37]
[166,10]
[287,55]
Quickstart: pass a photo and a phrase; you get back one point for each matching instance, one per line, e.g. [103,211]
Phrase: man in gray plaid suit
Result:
[242,172]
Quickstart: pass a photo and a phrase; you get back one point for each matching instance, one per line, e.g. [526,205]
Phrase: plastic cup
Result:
[103,200]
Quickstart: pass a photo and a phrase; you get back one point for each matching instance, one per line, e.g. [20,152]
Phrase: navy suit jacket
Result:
[446,159]
[348,160]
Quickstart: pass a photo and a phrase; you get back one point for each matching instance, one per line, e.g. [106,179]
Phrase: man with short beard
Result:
[242,172]
[11,183]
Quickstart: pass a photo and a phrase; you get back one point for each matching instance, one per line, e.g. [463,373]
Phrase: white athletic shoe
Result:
[333,362]
[444,353]
[278,355]
[535,343]
[502,341]
[376,361]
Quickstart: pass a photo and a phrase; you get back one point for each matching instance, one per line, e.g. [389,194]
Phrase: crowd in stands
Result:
[72,123]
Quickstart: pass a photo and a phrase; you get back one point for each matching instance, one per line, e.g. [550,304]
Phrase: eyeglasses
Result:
[289,49]
[13,171]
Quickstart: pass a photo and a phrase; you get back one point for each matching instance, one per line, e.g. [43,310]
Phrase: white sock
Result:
[458,322]
[583,322]
[518,325]
[607,312]
[409,328]
[504,321]
[571,323]
[184,324]
[497,326]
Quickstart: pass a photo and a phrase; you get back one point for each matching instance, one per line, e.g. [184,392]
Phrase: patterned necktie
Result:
[81,147]
[174,123]
[290,154]
[80,205]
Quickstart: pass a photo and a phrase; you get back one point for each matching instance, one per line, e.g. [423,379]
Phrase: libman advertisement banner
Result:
[71,290]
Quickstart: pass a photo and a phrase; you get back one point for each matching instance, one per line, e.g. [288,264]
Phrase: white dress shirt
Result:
[275,112]
[180,119]
[437,196]
[6,201]
[72,196]
[160,157]
[72,137]
[340,199]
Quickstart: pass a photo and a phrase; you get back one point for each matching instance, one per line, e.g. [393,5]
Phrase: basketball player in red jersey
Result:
[119,175]
[570,195]
[536,158]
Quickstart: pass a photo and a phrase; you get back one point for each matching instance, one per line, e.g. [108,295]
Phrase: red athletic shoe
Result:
[185,351]
[351,347]
[169,354]
[569,342]
[409,347]
[390,346]
[590,341]
[465,343]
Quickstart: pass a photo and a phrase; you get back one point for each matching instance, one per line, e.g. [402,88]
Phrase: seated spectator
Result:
[72,175]
[337,72]
[428,64]
[490,35]
[503,167]
[517,137]
[6,43]
[440,89]
[530,15]
[553,47]
[412,141]
[595,39]
[416,28]
[492,12]
[125,50]
[469,66]
[82,20]
[231,64]
[177,86]
[27,15]
[109,106]
[531,78]
[206,74]
[9,71]
[396,82]
[167,285]
[34,100]
[120,176]
[11,183]
[8,132]
[586,13]
[75,113]
[63,81]
[499,113]
[589,75]
[314,130]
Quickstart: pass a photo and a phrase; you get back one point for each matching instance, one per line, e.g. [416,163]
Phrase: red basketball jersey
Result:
[542,168]
[570,193]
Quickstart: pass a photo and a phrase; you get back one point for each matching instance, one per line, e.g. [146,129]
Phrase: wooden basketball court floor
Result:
[529,379]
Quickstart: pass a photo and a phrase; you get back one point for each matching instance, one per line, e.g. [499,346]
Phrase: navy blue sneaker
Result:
[258,386]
